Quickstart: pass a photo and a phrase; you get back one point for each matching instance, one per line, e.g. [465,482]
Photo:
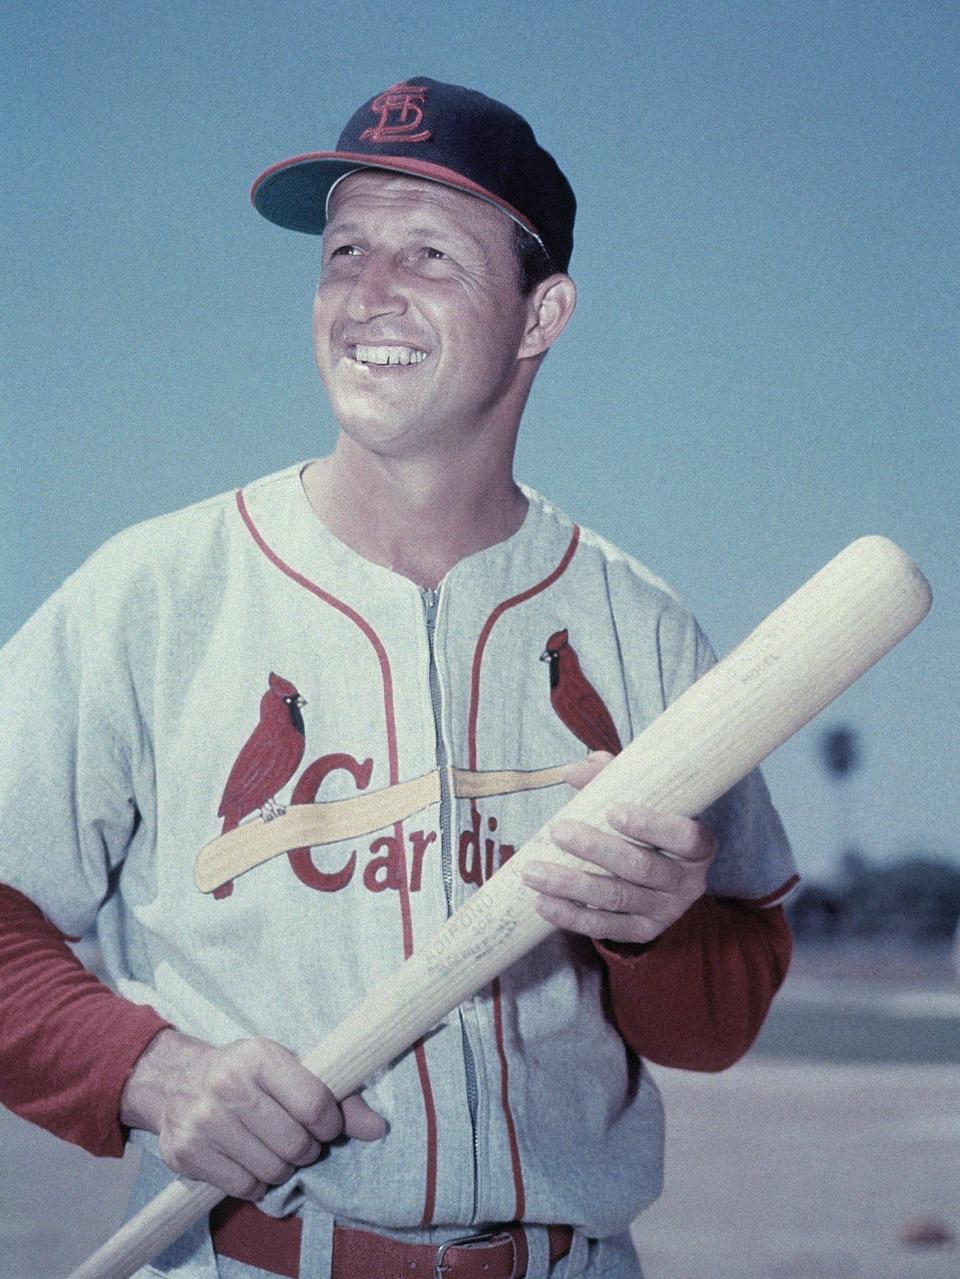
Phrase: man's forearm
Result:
[67,1042]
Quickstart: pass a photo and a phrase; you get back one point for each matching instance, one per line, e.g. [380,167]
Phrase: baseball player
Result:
[403,625]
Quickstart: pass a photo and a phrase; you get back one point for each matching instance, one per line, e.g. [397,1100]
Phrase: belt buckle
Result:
[441,1266]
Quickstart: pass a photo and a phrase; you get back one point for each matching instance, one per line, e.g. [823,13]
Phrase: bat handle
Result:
[162,1221]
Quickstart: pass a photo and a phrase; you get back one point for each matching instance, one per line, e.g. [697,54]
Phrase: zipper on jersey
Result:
[431,601]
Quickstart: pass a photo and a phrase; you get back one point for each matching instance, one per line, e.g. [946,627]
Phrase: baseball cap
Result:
[444,133]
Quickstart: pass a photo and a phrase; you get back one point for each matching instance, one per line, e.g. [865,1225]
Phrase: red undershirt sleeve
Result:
[67,1042]
[697,997]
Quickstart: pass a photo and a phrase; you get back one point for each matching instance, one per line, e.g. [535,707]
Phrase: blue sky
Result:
[764,361]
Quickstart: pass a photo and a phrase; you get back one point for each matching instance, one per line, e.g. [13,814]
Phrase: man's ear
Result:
[550,306]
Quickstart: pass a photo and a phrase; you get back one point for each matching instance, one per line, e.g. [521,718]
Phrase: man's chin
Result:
[367,406]
[377,432]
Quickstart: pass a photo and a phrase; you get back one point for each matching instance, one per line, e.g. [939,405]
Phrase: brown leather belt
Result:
[243,1233]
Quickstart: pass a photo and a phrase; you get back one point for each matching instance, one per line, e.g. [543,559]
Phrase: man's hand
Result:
[242,1117]
[658,865]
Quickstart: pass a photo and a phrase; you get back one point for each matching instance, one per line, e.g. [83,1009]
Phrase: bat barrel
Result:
[794,664]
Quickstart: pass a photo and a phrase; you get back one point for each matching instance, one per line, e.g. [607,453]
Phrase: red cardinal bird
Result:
[575,699]
[267,761]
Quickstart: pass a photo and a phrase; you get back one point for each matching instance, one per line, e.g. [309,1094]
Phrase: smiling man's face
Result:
[418,320]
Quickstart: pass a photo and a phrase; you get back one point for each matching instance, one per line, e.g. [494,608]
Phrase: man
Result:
[378,616]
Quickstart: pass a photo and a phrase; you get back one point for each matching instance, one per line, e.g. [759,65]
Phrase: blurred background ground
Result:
[842,1125]
[804,1161]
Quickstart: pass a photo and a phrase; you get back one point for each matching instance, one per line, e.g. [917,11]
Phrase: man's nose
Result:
[376,290]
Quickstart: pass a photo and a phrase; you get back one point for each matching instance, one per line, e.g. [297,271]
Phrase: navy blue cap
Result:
[441,132]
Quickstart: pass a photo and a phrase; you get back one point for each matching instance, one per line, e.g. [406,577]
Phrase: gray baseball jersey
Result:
[206,669]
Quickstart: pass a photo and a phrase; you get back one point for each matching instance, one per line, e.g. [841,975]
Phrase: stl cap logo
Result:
[404,103]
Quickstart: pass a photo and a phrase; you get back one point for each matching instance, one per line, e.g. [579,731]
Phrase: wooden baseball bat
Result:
[793,665]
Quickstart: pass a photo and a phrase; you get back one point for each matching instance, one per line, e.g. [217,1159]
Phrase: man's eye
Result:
[435,255]
[345,251]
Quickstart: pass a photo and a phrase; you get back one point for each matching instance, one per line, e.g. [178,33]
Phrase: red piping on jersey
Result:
[430,1192]
[773,897]
[488,626]
[485,635]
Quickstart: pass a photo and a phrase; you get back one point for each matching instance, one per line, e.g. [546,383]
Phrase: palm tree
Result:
[840,755]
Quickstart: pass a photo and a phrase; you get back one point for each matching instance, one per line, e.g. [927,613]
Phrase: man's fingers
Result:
[621,857]
[206,1162]
[597,892]
[284,1134]
[224,1138]
[681,837]
[298,1092]
[242,1117]
[585,770]
[601,924]
[229,1176]
[656,866]
[311,1103]
[260,1158]
[360,1121]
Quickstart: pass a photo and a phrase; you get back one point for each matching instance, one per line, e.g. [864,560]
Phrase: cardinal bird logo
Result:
[267,761]
[575,699]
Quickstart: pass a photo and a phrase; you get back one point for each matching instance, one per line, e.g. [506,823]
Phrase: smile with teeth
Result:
[388,355]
